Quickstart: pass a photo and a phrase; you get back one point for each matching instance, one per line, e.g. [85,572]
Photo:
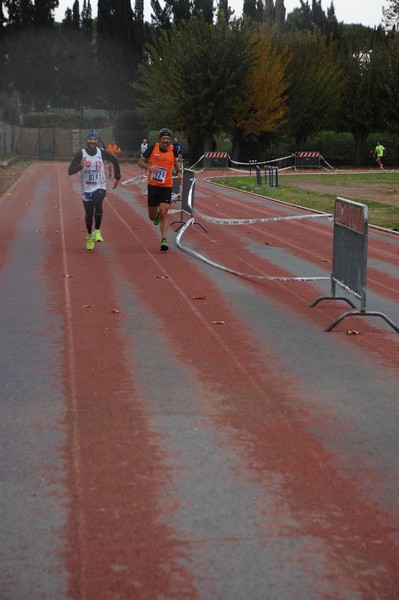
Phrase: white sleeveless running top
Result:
[92,174]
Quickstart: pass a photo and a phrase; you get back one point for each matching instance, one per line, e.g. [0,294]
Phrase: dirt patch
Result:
[376,191]
[11,173]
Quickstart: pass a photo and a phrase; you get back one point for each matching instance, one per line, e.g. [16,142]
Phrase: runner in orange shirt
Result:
[114,149]
[160,159]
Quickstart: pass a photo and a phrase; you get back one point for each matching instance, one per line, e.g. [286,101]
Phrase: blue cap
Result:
[92,133]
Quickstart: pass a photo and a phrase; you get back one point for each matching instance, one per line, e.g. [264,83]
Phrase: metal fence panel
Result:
[350,247]
[349,270]
[216,160]
[307,160]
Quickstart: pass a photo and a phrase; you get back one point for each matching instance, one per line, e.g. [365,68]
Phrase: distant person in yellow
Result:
[378,154]
[114,149]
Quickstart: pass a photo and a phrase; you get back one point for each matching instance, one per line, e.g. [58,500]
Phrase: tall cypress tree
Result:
[391,14]
[117,50]
[279,15]
[2,19]
[87,21]
[253,9]
[139,11]
[203,9]
[20,14]
[44,12]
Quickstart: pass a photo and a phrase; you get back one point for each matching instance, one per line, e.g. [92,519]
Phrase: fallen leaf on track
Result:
[87,306]
[199,297]
[352,332]
[115,310]
[68,276]
[161,277]
[218,322]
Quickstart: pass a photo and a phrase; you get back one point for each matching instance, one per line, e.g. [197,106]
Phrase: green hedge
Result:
[63,121]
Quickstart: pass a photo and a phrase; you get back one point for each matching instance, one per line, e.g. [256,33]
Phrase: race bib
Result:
[159,176]
[91,177]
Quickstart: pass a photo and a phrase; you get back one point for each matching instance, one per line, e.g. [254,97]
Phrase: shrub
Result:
[63,121]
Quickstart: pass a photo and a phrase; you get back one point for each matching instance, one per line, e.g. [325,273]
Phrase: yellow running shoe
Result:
[97,236]
[90,242]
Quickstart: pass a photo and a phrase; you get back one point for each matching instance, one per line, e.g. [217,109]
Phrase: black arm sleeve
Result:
[75,165]
[111,158]
[147,153]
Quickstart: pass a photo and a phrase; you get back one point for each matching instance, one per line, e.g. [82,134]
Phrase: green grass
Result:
[379,191]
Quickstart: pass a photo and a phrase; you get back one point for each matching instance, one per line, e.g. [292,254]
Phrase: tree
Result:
[86,20]
[318,16]
[72,17]
[262,107]
[2,18]
[313,18]
[160,16]
[253,9]
[279,16]
[390,95]
[300,19]
[31,66]
[273,13]
[139,10]
[10,108]
[192,80]
[224,12]
[203,9]
[43,13]
[333,29]
[182,10]
[314,91]
[118,51]
[391,14]
[364,93]
[175,11]
[20,14]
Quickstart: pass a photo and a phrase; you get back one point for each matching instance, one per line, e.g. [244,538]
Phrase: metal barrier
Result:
[216,160]
[349,266]
[307,160]
[272,174]
[187,199]
[258,176]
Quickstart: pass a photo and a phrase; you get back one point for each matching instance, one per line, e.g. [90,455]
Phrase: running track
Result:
[172,431]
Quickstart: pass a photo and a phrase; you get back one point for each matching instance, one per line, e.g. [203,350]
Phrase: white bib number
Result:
[91,177]
[159,176]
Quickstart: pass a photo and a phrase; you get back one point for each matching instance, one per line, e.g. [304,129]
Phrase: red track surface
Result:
[173,431]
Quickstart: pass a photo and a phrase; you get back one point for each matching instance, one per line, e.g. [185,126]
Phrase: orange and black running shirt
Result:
[165,160]
[114,149]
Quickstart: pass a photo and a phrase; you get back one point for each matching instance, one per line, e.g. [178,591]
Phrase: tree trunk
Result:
[208,141]
[360,138]
[237,139]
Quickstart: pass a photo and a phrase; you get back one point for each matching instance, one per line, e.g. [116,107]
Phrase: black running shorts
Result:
[158,195]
